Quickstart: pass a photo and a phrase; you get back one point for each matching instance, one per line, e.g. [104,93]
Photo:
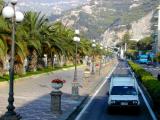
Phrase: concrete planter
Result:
[57,86]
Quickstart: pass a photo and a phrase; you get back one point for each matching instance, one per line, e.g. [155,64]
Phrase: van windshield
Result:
[123,90]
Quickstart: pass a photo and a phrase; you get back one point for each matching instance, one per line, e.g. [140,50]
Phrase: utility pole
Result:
[158,47]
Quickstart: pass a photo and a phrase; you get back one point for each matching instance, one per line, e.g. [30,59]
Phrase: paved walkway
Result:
[32,94]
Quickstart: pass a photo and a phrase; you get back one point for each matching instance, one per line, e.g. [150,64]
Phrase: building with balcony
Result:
[155,28]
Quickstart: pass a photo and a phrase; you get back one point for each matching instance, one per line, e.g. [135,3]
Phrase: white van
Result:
[123,92]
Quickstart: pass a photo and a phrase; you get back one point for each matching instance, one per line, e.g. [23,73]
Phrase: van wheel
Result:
[109,110]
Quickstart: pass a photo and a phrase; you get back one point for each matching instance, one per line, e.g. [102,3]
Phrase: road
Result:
[154,70]
[97,110]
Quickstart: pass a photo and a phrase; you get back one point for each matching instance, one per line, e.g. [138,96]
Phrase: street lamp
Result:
[10,12]
[75,84]
[100,61]
[93,66]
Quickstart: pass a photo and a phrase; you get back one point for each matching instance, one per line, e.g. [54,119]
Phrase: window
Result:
[123,90]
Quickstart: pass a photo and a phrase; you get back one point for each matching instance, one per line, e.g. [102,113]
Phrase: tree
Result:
[132,45]
[126,38]
[35,36]
[145,44]
[33,26]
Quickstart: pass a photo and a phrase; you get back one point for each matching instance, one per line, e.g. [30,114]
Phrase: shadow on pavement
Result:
[40,108]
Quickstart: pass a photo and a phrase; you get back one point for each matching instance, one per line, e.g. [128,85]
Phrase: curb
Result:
[79,107]
[4,83]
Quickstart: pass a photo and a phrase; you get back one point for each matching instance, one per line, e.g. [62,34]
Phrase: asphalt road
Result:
[154,70]
[97,110]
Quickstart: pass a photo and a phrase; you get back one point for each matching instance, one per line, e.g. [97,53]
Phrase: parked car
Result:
[143,59]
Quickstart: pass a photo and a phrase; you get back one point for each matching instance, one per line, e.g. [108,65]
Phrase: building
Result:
[155,28]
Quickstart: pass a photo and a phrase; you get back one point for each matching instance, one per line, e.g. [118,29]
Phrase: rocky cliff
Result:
[106,20]
[138,30]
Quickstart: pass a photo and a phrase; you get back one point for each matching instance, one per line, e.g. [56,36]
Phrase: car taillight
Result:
[135,102]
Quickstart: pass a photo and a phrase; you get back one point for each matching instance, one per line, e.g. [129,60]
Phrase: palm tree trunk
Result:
[52,60]
[33,61]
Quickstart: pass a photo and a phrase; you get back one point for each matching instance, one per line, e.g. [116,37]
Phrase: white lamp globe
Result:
[78,39]
[14,2]
[8,12]
[75,39]
[93,45]
[158,7]
[77,32]
[19,16]
[94,41]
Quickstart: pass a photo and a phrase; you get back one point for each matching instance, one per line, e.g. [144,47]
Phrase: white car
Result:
[123,92]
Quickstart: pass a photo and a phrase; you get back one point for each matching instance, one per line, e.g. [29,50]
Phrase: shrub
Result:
[153,87]
[148,77]
[149,81]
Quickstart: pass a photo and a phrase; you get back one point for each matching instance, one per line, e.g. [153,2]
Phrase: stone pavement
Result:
[32,94]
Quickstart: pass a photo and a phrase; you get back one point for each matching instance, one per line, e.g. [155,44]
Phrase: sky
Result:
[48,6]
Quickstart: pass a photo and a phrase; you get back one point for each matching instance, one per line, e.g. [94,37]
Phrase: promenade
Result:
[32,94]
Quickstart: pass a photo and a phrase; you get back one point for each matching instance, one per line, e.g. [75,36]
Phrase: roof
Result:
[122,81]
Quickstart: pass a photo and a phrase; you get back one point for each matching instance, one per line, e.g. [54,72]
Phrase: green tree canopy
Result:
[145,43]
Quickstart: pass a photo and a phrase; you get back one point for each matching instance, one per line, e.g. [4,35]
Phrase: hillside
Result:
[48,7]
[94,18]
[138,30]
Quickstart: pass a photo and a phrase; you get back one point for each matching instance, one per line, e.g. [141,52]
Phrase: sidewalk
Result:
[32,95]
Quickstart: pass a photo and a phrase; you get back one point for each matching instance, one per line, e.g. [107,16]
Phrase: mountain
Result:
[137,30]
[48,7]
[99,16]
[98,19]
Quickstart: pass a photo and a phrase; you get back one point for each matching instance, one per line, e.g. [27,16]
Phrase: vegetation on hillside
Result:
[112,13]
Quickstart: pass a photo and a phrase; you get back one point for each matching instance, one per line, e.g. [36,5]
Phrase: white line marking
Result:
[147,104]
[91,99]
[145,100]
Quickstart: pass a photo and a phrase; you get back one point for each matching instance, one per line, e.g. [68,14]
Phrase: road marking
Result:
[145,100]
[123,68]
[147,104]
[94,95]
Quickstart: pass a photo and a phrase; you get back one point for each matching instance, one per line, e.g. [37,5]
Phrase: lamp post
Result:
[93,59]
[10,12]
[75,84]
[100,66]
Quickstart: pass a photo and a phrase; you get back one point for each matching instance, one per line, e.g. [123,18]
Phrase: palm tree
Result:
[1,4]
[3,56]
[5,40]
[62,43]
[33,26]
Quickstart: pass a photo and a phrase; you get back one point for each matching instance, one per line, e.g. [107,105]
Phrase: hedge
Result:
[149,81]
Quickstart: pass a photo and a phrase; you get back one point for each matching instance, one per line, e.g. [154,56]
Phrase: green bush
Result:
[139,71]
[149,81]
[153,87]
[148,77]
